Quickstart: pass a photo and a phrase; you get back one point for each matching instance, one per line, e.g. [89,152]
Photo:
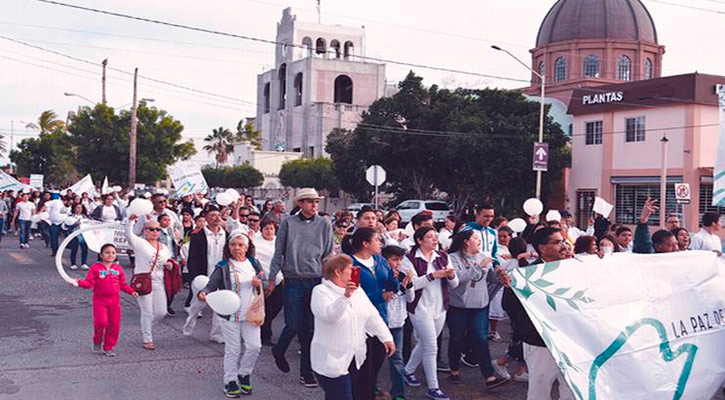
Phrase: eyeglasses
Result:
[558,242]
[160,201]
[254,220]
[243,215]
[153,229]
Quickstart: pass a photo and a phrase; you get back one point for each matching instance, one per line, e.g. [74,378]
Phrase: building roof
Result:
[597,19]
[694,88]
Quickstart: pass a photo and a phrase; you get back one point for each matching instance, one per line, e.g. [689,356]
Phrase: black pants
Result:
[272,306]
[407,339]
[363,387]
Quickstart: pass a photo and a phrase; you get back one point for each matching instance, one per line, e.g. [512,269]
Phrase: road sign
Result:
[541,156]
[375,175]
[682,193]
[36,181]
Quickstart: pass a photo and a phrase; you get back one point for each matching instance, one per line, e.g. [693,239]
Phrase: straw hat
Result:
[306,193]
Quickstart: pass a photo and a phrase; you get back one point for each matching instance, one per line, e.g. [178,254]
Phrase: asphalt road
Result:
[45,337]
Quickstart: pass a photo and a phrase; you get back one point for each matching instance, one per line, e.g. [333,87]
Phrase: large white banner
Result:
[718,189]
[187,180]
[95,239]
[84,185]
[7,182]
[632,326]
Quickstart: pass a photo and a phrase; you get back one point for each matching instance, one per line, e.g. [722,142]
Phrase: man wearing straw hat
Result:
[303,241]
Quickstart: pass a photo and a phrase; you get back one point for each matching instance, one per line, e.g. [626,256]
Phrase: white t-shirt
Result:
[25,210]
[369,263]
[264,251]
[215,248]
[242,273]
[703,240]
[108,214]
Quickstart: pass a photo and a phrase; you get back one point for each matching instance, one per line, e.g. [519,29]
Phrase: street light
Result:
[78,95]
[541,110]
[146,99]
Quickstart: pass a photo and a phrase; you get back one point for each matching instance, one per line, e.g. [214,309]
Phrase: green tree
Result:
[47,122]
[220,142]
[50,154]
[240,176]
[462,144]
[101,138]
[247,133]
[317,173]
[3,144]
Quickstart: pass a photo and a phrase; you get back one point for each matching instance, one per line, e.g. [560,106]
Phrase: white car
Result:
[409,208]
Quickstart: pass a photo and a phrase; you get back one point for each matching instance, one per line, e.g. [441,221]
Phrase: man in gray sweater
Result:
[303,241]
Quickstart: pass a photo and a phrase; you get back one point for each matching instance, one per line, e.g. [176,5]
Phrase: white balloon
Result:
[140,207]
[199,283]
[517,225]
[533,206]
[553,215]
[44,215]
[35,218]
[223,302]
[224,199]
[233,193]
[147,195]
[117,188]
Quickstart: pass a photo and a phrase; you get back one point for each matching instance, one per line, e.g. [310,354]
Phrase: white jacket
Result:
[340,327]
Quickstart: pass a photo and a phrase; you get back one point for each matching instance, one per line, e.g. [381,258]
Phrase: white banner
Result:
[84,185]
[718,189]
[104,187]
[187,180]
[96,238]
[36,181]
[7,182]
[632,326]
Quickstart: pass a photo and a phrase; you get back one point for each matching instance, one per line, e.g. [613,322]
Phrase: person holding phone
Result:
[373,274]
[343,317]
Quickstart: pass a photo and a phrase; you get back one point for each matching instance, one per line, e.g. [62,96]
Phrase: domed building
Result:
[584,43]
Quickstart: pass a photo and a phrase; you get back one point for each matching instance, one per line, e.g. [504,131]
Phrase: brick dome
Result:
[597,19]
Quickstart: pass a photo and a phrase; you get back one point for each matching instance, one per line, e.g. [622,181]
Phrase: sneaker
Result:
[217,339]
[411,380]
[280,361]
[443,367]
[498,381]
[494,335]
[231,390]
[171,311]
[74,267]
[96,348]
[109,353]
[500,370]
[468,363]
[187,310]
[455,379]
[267,342]
[308,381]
[84,266]
[436,394]
[399,398]
[245,386]
[523,377]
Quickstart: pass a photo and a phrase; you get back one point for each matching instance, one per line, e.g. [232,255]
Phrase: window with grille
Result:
[560,69]
[630,200]
[624,68]
[635,129]
[584,205]
[594,132]
[591,66]
[648,69]
[706,201]
[542,69]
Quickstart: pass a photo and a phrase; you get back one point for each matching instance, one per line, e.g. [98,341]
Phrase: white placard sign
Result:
[631,326]
[187,180]
[36,181]
[84,185]
[602,207]
[96,238]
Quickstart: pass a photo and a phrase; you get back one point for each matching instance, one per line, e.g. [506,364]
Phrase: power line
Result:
[676,5]
[268,41]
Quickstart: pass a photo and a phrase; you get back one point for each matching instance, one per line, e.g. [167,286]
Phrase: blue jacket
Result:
[374,285]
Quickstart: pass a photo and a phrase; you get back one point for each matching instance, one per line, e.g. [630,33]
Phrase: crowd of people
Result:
[356,290]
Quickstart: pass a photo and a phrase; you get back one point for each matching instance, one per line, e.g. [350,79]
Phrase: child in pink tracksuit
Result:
[107,279]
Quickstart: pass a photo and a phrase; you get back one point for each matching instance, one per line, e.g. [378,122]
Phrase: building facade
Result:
[320,82]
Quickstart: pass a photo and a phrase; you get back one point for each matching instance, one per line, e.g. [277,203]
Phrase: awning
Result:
[634,180]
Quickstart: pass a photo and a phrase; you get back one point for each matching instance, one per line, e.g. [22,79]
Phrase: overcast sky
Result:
[453,34]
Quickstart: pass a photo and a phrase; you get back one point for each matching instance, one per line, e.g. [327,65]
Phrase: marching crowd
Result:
[356,290]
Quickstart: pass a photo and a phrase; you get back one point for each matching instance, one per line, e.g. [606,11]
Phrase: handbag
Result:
[141,283]
[255,314]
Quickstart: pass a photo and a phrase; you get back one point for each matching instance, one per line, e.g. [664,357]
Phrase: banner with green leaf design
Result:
[632,326]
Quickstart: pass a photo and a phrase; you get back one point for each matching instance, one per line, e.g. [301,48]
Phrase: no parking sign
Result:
[682,193]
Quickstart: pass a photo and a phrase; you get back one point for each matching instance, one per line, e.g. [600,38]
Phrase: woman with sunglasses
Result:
[151,256]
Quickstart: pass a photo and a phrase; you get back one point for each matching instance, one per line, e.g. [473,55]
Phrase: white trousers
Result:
[234,362]
[194,310]
[153,308]
[426,330]
[542,374]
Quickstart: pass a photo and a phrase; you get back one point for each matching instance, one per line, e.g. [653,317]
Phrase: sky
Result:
[454,34]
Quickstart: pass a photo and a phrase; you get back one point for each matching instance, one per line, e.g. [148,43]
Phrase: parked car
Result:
[410,208]
[355,207]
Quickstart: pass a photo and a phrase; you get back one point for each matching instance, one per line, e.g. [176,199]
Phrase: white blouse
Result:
[146,253]
[431,300]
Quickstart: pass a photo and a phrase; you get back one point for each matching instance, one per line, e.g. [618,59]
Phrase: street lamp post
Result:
[80,96]
[541,109]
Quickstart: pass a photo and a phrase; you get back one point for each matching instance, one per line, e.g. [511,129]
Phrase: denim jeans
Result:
[2,227]
[339,388]
[74,244]
[54,231]
[298,319]
[24,228]
[397,366]
[475,322]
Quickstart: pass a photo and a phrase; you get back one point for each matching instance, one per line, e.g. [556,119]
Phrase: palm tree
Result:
[221,143]
[3,145]
[47,122]
[247,133]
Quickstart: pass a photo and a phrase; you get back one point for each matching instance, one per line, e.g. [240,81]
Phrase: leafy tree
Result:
[47,122]
[240,176]
[50,154]
[247,133]
[101,138]
[462,144]
[3,144]
[317,173]
[220,142]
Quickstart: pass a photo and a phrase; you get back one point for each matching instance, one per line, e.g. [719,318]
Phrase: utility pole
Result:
[12,143]
[663,182]
[103,82]
[132,136]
